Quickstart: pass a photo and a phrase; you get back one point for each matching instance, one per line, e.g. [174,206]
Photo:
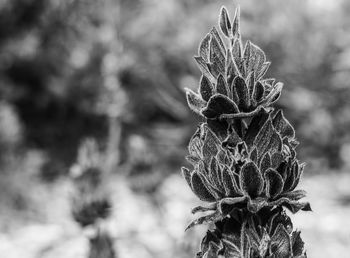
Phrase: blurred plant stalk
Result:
[115,96]
[243,156]
[91,205]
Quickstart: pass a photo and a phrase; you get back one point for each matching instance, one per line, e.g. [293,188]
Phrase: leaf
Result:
[290,179]
[205,219]
[231,250]
[186,173]
[250,83]
[219,104]
[294,195]
[242,92]
[293,206]
[215,175]
[208,207]
[276,159]
[203,50]
[204,68]
[297,171]
[220,127]
[254,127]
[223,157]
[245,243]
[275,98]
[297,244]
[233,92]
[263,70]
[275,144]
[211,144]
[221,86]
[235,26]
[269,81]
[260,58]
[254,155]
[264,243]
[268,139]
[201,189]
[217,57]
[284,169]
[210,238]
[213,250]
[247,58]
[231,69]
[215,69]
[251,181]
[194,101]
[231,188]
[258,92]
[255,60]
[278,217]
[306,207]
[237,56]
[282,125]
[265,162]
[192,159]
[224,22]
[206,88]
[281,243]
[273,95]
[274,183]
[215,34]
[232,139]
[226,205]
[253,236]
[195,145]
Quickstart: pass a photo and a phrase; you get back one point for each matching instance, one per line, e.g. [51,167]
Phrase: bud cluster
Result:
[243,157]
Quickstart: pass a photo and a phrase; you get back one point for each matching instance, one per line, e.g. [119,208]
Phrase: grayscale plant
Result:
[243,155]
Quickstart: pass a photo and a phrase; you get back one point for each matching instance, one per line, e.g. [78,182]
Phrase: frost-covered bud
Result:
[243,156]
[232,84]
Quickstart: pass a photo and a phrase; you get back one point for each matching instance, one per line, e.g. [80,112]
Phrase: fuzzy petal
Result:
[281,243]
[219,104]
[221,86]
[268,139]
[254,127]
[204,68]
[242,92]
[265,163]
[274,183]
[186,173]
[195,102]
[258,92]
[283,126]
[297,244]
[224,22]
[206,88]
[231,188]
[200,189]
[251,180]
[203,50]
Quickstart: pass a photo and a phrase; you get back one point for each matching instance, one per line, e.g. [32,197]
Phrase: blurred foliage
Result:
[55,91]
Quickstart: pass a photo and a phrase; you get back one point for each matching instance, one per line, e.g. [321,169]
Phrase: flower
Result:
[254,169]
[244,160]
[232,83]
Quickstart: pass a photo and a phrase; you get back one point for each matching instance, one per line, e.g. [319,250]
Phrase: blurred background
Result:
[115,71]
